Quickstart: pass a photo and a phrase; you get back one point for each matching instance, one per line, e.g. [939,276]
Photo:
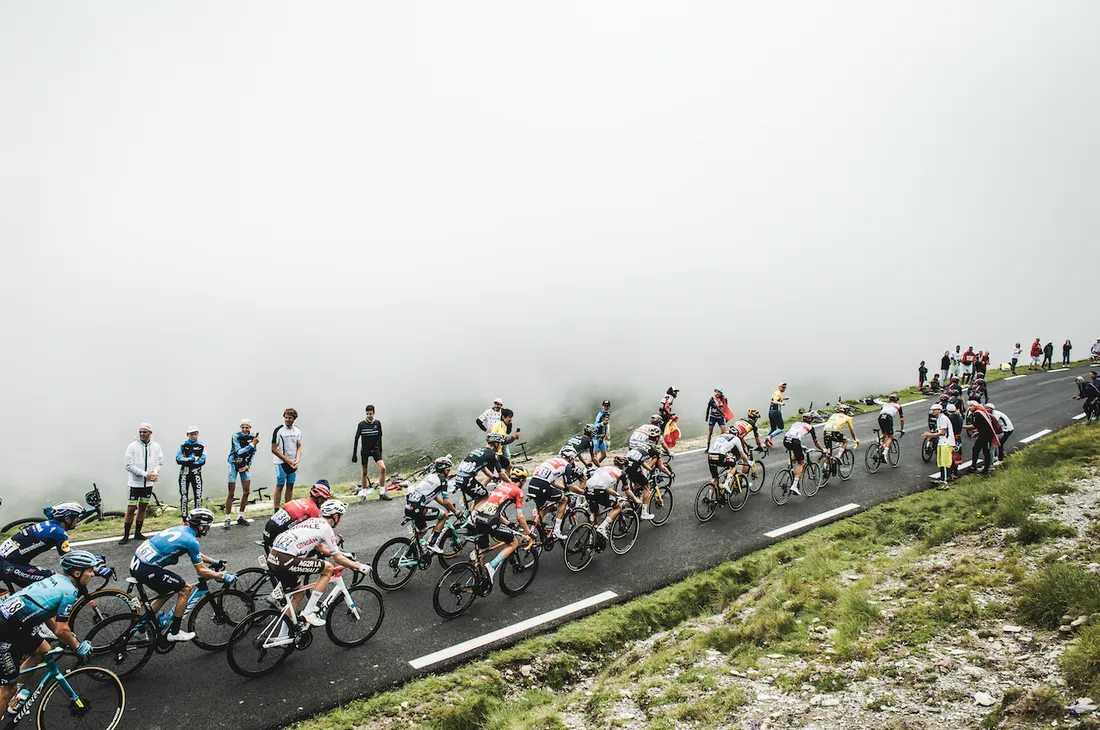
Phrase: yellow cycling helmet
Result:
[518,473]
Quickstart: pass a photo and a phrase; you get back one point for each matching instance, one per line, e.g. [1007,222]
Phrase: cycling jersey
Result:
[505,492]
[891,409]
[369,435]
[30,542]
[581,443]
[287,439]
[837,421]
[431,487]
[553,470]
[166,547]
[1006,423]
[241,451]
[800,430]
[480,458]
[641,438]
[53,597]
[191,454]
[726,443]
[606,477]
[296,510]
[304,537]
[742,427]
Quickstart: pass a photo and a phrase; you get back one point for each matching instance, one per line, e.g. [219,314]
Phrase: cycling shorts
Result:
[140,495]
[486,527]
[281,477]
[17,642]
[794,446]
[599,445]
[543,492]
[420,514]
[637,474]
[22,575]
[886,424]
[471,487]
[290,569]
[834,437]
[160,580]
[717,462]
[599,498]
[374,454]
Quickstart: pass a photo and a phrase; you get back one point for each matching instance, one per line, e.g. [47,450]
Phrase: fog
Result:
[211,211]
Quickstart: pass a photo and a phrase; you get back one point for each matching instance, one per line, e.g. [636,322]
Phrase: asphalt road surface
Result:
[191,687]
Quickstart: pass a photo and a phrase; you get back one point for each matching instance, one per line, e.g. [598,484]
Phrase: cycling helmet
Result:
[990,406]
[893,398]
[943,397]
[333,507]
[672,390]
[653,432]
[753,414]
[200,516]
[842,408]
[65,510]
[589,430]
[620,462]
[518,473]
[567,452]
[320,491]
[807,418]
[442,464]
[78,560]
[494,438]
[656,419]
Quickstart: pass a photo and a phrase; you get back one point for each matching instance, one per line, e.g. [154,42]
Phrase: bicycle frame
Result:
[339,589]
[52,673]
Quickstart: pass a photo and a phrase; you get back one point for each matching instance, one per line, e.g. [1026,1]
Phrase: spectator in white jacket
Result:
[144,459]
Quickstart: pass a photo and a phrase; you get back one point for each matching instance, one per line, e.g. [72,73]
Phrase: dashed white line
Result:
[780,531]
[1079,416]
[914,402]
[1034,436]
[543,618]
[689,451]
[1016,377]
[1056,380]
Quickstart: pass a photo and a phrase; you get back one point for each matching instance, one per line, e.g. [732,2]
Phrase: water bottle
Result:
[165,617]
[19,700]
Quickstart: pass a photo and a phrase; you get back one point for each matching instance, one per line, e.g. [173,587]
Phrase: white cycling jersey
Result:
[890,409]
[428,489]
[605,478]
[641,437]
[726,443]
[799,430]
[301,539]
[551,470]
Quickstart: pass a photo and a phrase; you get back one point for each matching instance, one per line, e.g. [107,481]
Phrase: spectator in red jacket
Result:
[968,359]
[984,361]
[1036,353]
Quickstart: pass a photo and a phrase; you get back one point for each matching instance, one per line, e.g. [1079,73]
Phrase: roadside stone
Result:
[1083,706]
[984,699]
[1011,629]
[830,702]
[526,670]
[1079,622]
[775,656]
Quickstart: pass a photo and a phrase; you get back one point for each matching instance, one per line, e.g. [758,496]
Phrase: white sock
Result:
[311,604]
[557,524]
[605,524]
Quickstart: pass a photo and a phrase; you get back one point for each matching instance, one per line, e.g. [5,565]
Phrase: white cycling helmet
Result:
[567,452]
[66,509]
[333,507]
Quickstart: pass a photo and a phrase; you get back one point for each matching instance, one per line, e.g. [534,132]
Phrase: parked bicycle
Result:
[94,512]
[85,698]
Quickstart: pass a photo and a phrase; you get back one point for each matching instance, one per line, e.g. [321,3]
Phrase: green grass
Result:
[1059,589]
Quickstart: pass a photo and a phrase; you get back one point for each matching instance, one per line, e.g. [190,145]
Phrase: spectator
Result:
[1048,356]
[665,409]
[987,436]
[1017,352]
[242,448]
[945,442]
[504,428]
[1065,353]
[936,386]
[286,445]
[922,375]
[716,413]
[945,365]
[1006,428]
[968,359]
[983,361]
[144,459]
[1095,351]
[775,413]
[1088,391]
[603,432]
[956,419]
[490,417]
[1036,353]
[368,445]
[191,457]
[956,361]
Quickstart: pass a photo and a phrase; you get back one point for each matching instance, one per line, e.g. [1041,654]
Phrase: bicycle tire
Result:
[824,473]
[706,502]
[873,457]
[247,641]
[927,450]
[663,506]
[371,609]
[736,498]
[100,691]
[812,473]
[389,571]
[894,454]
[456,590]
[757,474]
[781,486]
[120,515]
[624,532]
[96,607]
[519,571]
[11,526]
[847,465]
[124,652]
[452,547]
[221,613]
[256,582]
[580,547]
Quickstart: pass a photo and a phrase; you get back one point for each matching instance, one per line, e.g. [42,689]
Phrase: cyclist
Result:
[295,511]
[49,602]
[549,483]
[601,492]
[290,557]
[775,412]
[833,433]
[748,424]
[977,390]
[432,488]
[489,522]
[1088,391]
[724,452]
[17,552]
[890,409]
[648,434]
[482,460]
[1006,428]
[148,566]
[792,442]
[191,457]
[582,443]
[640,462]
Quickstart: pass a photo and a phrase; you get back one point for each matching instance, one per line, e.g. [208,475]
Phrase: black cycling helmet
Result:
[589,430]
[807,418]
[672,390]
[753,414]
[620,462]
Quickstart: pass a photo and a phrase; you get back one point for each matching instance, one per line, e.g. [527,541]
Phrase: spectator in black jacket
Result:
[1048,356]
[369,434]
[716,413]
[1065,353]
[982,423]
[1088,391]
[945,365]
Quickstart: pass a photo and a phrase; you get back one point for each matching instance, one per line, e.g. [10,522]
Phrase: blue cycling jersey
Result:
[30,542]
[52,597]
[166,547]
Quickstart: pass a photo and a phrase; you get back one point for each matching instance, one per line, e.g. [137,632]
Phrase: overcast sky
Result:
[216,210]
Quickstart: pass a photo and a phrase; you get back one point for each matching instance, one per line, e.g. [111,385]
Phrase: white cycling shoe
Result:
[181,635]
[312,618]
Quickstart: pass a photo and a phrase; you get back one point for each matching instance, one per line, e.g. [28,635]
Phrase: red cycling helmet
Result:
[320,491]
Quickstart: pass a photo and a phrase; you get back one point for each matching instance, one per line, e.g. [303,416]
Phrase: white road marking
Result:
[1056,380]
[690,451]
[543,618]
[1034,436]
[1079,416]
[778,532]
[914,402]
[101,540]
[1015,377]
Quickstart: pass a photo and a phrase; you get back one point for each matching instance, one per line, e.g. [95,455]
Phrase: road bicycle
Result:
[397,482]
[584,540]
[129,641]
[732,490]
[265,638]
[928,448]
[660,495]
[830,465]
[259,584]
[85,698]
[399,559]
[784,479]
[757,471]
[576,512]
[94,512]
[463,583]
[874,457]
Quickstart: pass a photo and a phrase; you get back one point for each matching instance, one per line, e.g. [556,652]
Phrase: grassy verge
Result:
[861,592]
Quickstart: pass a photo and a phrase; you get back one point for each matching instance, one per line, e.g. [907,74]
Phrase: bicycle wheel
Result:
[452,547]
[101,694]
[824,472]
[580,547]
[352,624]
[256,582]
[660,504]
[246,652]
[873,457]
[927,450]
[456,590]
[894,454]
[781,486]
[738,493]
[395,563]
[706,502]
[757,474]
[216,615]
[812,482]
[127,641]
[18,525]
[624,531]
[96,607]
[519,570]
[847,464]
